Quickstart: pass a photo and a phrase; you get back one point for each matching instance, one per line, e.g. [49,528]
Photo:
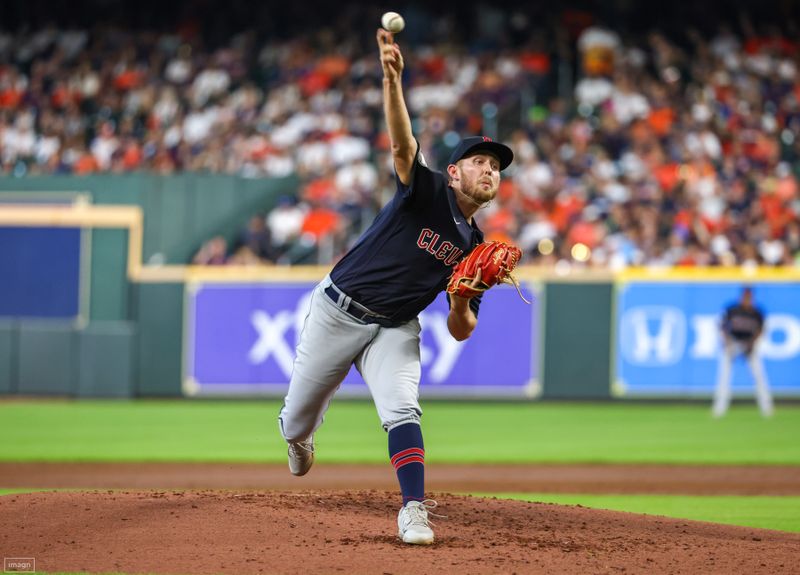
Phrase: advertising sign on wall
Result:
[669,338]
[240,339]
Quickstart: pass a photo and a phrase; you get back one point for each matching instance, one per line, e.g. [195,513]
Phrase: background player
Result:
[742,325]
[365,312]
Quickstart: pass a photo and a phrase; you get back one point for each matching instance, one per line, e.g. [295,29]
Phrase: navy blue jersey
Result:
[742,323]
[402,262]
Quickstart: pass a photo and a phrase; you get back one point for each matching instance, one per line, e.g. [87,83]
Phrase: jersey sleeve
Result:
[425,183]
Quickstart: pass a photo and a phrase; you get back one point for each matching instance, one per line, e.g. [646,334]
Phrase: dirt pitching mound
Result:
[198,532]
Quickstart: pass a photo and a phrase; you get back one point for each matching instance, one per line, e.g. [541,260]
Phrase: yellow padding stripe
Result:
[721,274]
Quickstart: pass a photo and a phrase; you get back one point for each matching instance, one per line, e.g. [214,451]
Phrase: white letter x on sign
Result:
[271,340]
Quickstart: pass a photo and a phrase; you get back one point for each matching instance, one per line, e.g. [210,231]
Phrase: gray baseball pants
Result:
[722,392]
[330,342]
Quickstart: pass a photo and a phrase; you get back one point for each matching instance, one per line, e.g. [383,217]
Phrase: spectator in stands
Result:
[214,252]
[285,222]
[256,238]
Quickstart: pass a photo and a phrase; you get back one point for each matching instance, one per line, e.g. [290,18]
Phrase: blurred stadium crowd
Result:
[660,146]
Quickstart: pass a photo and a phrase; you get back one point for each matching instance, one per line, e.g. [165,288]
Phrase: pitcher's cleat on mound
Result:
[301,456]
[412,522]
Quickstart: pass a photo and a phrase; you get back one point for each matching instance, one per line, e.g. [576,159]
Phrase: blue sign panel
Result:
[40,272]
[241,339]
[669,339]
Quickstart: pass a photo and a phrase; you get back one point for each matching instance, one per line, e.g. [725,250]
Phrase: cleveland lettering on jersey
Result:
[429,241]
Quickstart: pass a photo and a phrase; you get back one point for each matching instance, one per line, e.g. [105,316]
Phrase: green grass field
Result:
[765,512]
[454,432]
[246,431]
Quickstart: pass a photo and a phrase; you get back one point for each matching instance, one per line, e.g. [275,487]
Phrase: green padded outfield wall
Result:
[109,288]
[577,340]
[7,355]
[159,311]
[106,360]
[59,358]
[47,362]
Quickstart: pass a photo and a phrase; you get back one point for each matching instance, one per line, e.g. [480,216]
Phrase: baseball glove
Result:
[495,261]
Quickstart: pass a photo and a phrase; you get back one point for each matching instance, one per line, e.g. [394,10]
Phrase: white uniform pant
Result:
[330,342]
[722,393]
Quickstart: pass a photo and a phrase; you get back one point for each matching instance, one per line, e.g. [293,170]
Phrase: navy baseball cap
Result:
[477,143]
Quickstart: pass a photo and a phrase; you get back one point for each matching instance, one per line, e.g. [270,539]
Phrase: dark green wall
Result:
[159,311]
[106,357]
[577,340]
[7,354]
[108,286]
[47,358]
[44,357]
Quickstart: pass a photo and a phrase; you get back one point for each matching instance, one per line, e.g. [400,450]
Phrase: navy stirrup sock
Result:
[407,454]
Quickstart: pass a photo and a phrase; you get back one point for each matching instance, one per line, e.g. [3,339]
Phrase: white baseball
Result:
[393,22]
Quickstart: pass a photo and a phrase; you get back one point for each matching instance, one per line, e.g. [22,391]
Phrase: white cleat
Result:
[301,456]
[412,522]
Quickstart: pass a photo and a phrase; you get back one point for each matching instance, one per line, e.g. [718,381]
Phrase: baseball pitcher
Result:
[365,311]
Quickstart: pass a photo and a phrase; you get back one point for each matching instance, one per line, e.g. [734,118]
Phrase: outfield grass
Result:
[766,512]
[21,490]
[454,432]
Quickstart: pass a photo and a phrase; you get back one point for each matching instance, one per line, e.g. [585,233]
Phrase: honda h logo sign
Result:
[669,337]
[653,335]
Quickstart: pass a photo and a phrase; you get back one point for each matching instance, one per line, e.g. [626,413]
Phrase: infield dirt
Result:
[319,528]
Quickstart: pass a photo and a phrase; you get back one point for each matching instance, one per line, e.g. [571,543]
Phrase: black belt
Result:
[356,310]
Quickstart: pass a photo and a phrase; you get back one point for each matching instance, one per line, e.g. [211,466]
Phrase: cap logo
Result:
[485,139]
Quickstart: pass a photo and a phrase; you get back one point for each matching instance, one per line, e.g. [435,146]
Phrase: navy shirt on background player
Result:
[743,322]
